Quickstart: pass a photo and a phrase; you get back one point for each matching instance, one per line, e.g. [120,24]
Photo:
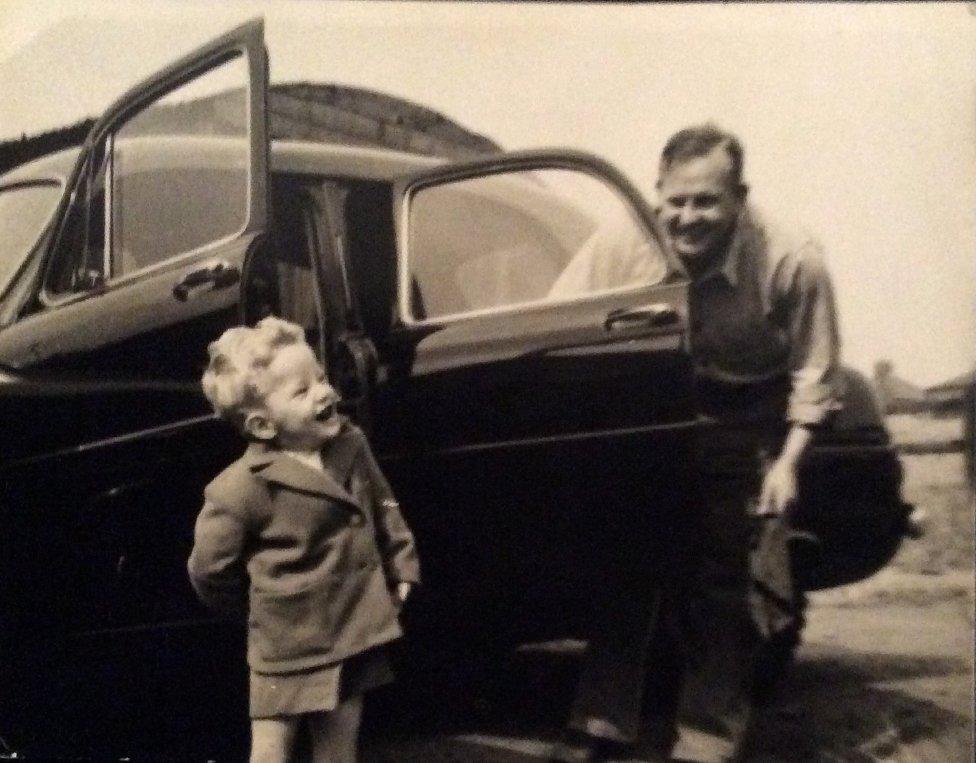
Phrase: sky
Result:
[858,120]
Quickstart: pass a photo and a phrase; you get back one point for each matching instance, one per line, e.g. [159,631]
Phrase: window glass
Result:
[24,211]
[180,170]
[521,238]
[200,205]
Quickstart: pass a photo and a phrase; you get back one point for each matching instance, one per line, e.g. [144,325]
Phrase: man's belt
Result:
[759,400]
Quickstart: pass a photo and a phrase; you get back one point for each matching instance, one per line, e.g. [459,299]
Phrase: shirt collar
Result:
[339,454]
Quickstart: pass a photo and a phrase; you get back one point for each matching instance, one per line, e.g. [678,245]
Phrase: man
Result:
[765,346]
[764,329]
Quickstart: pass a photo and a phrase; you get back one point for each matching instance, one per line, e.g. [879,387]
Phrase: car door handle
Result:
[656,315]
[217,274]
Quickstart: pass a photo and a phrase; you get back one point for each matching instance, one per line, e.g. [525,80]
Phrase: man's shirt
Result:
[765,311]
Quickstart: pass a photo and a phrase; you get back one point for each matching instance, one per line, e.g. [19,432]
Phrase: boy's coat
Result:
[322,551]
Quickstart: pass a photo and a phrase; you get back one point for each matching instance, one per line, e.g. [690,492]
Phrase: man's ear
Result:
[259,426]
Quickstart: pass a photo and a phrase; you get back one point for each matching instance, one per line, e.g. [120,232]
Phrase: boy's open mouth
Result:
[326,413]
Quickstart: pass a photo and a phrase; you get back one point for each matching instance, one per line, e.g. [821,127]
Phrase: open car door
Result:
[111,441]
[538,396]
[168,197]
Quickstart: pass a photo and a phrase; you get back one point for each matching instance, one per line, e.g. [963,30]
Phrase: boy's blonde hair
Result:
[235,380]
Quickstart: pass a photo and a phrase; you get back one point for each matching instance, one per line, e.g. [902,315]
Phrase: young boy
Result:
[304,532]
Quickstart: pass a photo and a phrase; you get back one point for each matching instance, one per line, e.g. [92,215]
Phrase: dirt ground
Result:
[886,668]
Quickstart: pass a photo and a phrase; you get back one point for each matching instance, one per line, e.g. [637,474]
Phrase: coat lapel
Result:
[340,455]
[274,466]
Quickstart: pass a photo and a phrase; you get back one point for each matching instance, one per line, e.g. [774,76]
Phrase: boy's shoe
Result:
[576,747]
[572,751]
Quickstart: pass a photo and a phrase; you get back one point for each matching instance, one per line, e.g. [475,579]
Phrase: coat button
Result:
[356,520]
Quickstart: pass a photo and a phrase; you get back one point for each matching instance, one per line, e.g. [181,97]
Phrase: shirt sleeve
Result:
[393,536]
[216,565]
[809,316]
[616,255]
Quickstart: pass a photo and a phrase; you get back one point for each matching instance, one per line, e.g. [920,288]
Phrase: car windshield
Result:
[24,211]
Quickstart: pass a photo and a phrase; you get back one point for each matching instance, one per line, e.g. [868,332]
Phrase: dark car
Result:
[541,440]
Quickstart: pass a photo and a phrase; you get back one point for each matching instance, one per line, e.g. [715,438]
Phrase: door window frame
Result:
[527,161]
[246,41]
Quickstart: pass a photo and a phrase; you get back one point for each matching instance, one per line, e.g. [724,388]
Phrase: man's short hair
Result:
[699,140]
[235,380]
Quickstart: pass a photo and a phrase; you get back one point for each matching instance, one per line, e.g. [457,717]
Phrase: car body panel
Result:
[450,373]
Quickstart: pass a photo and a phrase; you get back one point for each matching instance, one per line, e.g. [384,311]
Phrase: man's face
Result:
[301,406]
[700,202]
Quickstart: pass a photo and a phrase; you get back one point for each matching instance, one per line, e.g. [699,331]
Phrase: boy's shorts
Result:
[319,689]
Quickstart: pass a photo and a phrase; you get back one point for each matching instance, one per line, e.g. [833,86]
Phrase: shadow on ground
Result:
[843,707]
[836,705]
[832,707]
[433,713]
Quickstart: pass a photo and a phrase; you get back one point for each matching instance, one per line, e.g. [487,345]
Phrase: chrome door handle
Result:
[218,274]
[656,315]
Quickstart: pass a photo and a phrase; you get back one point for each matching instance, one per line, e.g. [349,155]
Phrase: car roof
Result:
[287,156]
[363,162]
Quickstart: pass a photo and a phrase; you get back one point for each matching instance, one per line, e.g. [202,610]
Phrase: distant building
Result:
[895,395]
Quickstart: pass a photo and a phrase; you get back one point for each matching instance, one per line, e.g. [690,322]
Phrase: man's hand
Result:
[779,489]
[403,592]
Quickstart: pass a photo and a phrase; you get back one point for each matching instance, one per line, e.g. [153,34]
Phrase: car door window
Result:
[24,211]
[166,203]
[169,180]
[502,241]
[192,143]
